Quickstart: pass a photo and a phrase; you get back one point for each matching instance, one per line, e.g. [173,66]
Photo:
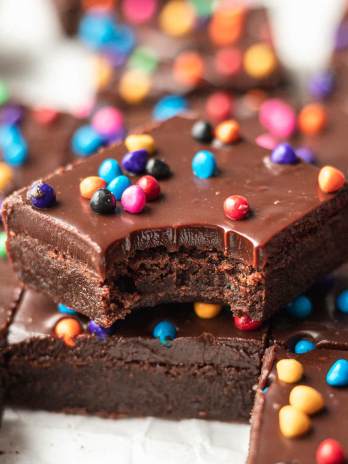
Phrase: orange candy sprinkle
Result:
[105,5]
[189,68]
[102,72]
[68,328]
[90,185]
[312,119]
[330,179]
[228,131]
[227,25]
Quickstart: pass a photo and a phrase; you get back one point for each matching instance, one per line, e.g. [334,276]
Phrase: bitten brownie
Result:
[207,371]
[184,246]
[315,425]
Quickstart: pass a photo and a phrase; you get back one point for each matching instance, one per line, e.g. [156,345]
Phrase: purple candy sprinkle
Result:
[322,85]
[306,155]
[11,114]
[284,154]
[135,161]
[41,195]
[341,40]
[98,331]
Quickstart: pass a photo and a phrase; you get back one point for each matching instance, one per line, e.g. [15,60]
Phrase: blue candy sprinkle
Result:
[342,302]
[118,185]
[86,141]
[109,169]
[301,307]
[124,39]
[135,161]
[265,390]
[97,30]
[304,346]
[164,331]
[41,195]
[9,135]
[16,154]
[65,309]
[169,106]
[204,164]
[337,375]
[284,154]
[98,331]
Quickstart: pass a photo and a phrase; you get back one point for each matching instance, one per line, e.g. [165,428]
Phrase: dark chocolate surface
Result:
[327,327]
[198,341]
[49,146]
[279,197]
[268,445]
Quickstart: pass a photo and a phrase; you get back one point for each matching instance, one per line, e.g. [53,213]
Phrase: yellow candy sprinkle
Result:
[134,86]
[177,18]
[259,61]
[206,310]
[293,422]
[6,176]
[140,142]
[289,370]
[306,399]
[102,72]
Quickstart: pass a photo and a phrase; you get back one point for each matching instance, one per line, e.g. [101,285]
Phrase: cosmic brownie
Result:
[215,238]
[292,423]
[207,369]
[33,143]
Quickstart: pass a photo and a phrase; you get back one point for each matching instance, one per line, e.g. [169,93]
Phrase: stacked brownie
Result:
[117,252]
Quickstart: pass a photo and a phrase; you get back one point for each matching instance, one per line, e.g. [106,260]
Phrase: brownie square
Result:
[182,247]
[208,371]
[267,442]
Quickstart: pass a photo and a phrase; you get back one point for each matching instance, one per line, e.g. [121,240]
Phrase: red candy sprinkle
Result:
[45,116]
[330,451]
[236,207]
[219,106]
[150,186]
[228,61]
[245,323]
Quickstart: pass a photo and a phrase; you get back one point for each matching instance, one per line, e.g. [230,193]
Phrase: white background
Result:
[42,66]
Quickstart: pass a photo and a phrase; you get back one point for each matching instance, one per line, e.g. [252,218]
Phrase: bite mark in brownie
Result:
[182,247]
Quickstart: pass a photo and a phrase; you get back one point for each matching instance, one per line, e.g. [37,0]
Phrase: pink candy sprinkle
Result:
[266,141]
[133,199]
[107,121]
[278,118]
[139,11]
[228,61]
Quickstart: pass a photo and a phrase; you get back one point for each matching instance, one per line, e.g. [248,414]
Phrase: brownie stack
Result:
[159,294]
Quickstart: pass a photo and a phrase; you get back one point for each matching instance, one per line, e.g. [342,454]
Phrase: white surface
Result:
[42,438]
[43,67]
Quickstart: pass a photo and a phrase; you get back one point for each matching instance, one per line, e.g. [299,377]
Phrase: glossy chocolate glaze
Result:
[268,445]
[326,326]
[203,341]
[190,210]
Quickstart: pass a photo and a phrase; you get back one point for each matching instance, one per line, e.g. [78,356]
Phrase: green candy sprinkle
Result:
[143,59]
[3,253]
[4,93]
